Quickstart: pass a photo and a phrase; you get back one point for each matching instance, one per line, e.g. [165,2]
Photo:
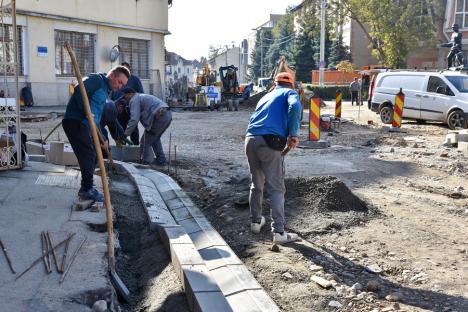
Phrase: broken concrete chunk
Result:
[321,281]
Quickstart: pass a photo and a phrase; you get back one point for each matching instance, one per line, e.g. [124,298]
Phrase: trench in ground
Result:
[142,262]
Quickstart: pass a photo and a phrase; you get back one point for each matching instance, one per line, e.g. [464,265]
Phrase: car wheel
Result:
[386,114]
[456,119]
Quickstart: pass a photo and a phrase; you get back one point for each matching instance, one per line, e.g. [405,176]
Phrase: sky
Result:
[197,24]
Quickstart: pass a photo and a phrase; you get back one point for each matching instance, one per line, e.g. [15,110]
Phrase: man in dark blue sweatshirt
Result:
[274,125]
[124,116]
[76,125]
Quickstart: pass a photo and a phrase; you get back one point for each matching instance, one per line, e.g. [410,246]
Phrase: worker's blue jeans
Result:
[80,139]
[152,139]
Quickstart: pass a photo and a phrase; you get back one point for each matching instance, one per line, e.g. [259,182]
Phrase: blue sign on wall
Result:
[42,51]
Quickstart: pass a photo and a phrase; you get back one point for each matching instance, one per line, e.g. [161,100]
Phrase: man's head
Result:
[355,79]
[126,65]
[455,27]
[285,80]
[128,93]
[118,77]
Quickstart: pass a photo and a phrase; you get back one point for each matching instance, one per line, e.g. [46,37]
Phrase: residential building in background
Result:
[93,28]
[272,21]
[231,56]
[178,67]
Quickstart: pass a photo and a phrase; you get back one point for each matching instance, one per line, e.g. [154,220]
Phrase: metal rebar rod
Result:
[73,257]
[54,255]
[7,257]
[43,255]
[49,265]
[175,159]
[169,163]
[64,256]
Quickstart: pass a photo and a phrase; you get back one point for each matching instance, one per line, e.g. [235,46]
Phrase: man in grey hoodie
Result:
[155,117]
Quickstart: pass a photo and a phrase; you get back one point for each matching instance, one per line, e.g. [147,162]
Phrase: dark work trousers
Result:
[355,97]
[123,121]
[80,139]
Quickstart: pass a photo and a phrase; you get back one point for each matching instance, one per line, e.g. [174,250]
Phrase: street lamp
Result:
[323,5]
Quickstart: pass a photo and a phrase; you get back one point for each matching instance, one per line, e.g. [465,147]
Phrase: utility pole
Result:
[261,52]
[322,64]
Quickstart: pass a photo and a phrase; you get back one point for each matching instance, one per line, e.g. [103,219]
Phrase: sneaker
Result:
[284,238]
[92,194]
[256,227]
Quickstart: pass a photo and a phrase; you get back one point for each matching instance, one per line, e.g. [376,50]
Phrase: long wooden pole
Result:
[97,147]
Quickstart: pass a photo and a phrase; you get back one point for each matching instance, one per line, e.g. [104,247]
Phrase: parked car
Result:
[429,96]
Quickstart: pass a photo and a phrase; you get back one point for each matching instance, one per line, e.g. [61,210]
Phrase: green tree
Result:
[283,42]
[338,51]
[394,27]
[305,47]
[265,35]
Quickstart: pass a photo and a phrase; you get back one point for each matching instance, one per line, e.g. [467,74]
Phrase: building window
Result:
[83,46]
[461,14]
[136,53]
[7,54]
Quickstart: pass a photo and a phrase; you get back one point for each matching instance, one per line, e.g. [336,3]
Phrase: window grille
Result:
[6,45]
[136,53]
[83,46]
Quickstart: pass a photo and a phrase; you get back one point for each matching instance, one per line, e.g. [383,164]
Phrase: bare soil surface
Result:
[382,216]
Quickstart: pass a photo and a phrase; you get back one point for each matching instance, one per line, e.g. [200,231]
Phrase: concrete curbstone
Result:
[184,254]
[207,238]
[181,214]
[175,203]
[264,302]
[243,302]
[218,256]
[211,302]
[173,234]
[191,226]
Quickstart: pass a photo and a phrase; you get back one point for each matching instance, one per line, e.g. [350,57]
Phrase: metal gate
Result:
[11,152]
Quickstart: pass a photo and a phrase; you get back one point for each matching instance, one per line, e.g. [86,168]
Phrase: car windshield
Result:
[459,82]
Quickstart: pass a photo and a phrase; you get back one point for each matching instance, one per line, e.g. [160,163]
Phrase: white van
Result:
[432,96]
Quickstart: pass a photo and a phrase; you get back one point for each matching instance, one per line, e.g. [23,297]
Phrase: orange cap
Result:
[284,77]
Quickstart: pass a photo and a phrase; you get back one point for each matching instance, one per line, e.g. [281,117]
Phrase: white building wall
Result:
[143,19]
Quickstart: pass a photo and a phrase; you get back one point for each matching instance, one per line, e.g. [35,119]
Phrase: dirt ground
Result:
[382,216]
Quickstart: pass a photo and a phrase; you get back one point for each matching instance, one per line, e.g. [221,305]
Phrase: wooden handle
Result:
[97,147]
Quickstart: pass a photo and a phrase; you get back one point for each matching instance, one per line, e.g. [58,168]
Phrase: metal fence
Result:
[10,130]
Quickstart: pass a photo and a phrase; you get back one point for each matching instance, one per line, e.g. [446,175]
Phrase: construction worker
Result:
[135,83]
[155,117]
[76,125]
[273,126]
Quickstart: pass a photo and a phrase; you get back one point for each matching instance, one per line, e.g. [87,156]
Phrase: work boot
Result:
[257,227]
[92,194]
[283,238]
[158,163]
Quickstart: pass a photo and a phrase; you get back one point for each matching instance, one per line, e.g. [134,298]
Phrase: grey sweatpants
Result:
[152,139]
[266,170]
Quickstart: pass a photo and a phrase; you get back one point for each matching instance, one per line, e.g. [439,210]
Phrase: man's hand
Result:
[292,142]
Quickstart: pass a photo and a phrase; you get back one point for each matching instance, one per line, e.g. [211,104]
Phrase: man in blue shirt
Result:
[77,128]
[273,126]
[124,116]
